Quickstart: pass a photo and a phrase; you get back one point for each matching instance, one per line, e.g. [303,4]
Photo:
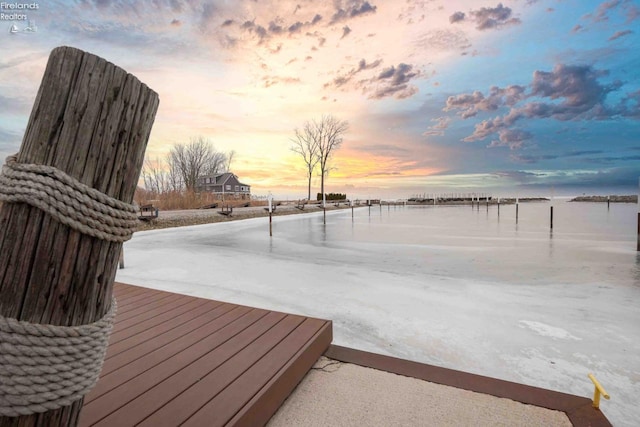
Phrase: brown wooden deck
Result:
[175,359]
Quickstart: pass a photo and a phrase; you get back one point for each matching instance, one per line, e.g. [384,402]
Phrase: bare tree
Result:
[190,161]
[306,145]
[230,156]
[174,179]
[154,176]
[328,134]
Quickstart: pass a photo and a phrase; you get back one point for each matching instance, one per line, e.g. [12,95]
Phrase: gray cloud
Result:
[626,7]
[512,138]
[352,9]
[518,176]
[273,80]
[362,65]
[345,31]
[613,159]
[296,27]
[535,158]
[392,81]
[577,86]
[621,177]
[569,92]
[276,27]
[471,104]
[444,40]
[457,17]
[442,123]
[341,80]
[487,18]
[629,105]
[395,82]
[602,13]
[619,34]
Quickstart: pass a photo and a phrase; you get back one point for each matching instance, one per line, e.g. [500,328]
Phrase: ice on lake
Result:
[454,286]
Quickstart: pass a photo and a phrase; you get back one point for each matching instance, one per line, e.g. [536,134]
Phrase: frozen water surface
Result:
[451,286]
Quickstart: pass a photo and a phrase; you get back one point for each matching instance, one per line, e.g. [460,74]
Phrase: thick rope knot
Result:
[46,367]
[66,199]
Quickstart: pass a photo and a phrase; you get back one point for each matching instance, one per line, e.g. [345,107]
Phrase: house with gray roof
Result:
[224,185]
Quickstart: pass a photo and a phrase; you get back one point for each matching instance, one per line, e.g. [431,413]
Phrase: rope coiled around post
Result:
[66,199]
[46,367]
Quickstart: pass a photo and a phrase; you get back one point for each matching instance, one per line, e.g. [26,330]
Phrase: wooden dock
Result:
[176,359]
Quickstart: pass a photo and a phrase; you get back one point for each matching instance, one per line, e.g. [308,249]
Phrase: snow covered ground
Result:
[456,287]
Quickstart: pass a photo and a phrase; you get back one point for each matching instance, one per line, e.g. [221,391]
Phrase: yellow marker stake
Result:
[599,390]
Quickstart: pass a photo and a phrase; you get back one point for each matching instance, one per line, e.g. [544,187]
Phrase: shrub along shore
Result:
[611,198]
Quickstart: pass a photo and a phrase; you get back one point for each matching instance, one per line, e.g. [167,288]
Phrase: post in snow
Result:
[324,209]
[270,200]
[551,212]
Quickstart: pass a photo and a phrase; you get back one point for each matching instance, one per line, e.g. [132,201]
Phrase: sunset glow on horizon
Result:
[504,97]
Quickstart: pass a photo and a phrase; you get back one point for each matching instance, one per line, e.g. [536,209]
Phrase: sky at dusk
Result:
[511,97]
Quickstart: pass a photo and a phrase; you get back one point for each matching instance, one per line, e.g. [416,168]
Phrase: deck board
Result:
[175,359]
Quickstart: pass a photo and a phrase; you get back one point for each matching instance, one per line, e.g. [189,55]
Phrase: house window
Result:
[237,188]
[227,187]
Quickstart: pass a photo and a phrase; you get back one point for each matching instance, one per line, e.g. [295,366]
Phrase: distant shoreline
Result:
[482,201]
[604,199]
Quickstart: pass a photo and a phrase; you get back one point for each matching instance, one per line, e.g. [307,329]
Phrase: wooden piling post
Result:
[517,205]
[551,218]
[91,120]
[270,201]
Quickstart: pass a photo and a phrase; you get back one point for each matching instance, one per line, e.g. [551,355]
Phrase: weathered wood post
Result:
[498,206]
[270,200]
[517,205]
[91,120]
[324,209]
[608,202]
